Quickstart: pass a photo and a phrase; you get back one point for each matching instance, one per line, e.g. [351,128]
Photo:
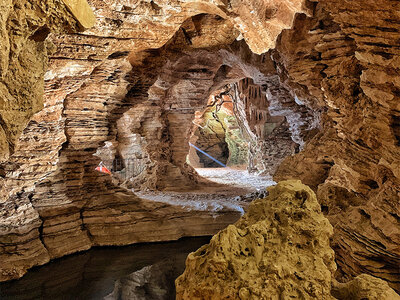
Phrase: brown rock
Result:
[344,59]
[364,287]
[278,249]
[82,12]
[336,71]
[24,27]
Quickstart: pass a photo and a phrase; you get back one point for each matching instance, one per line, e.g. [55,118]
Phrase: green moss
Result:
[220,136]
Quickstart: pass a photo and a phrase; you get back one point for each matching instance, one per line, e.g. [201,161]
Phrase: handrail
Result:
[208,155]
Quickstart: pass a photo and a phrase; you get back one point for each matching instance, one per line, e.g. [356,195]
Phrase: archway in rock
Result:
[163,109]
[262,140]
[88,103]
[216,138]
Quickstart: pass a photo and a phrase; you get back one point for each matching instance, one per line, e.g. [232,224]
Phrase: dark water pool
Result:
[145,271]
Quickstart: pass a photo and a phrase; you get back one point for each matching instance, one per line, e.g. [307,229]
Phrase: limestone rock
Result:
[344,59]
[82,12]
[89,86]
[24,27]
[278,249]
[364,287]
[333,70]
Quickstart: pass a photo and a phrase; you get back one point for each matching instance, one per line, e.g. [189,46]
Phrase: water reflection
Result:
[145,271]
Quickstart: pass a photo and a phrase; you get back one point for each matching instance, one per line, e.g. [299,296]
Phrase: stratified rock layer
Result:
[346,58]
[341,61]
[24,27]
[278,250]
[55,203]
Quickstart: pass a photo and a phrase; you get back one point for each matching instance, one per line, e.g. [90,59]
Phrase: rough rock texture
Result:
[82,12]
[163,104]
[217,132]
[24,27]
[278,249]
[23,61]
[364,287]
[346,59]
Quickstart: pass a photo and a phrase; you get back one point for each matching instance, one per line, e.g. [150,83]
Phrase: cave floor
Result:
[239,178]
[221,189]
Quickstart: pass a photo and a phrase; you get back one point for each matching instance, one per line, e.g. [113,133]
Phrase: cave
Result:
[216,140]
[222,149]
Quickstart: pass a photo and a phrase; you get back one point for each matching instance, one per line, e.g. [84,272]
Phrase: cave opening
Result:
[203,102]
[216,138]
[296,90]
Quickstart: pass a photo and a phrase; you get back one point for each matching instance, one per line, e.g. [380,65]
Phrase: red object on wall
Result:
[102,168]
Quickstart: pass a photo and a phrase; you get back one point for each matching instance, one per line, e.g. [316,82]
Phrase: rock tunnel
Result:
[275,90]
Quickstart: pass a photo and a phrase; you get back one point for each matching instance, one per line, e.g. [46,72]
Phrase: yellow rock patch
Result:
[82,12]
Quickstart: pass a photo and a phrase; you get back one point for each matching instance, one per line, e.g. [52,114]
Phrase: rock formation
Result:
[315,77]
[270,136]
[24,27]
[345,59]
[278,250]
[151,283]
[364,287]
[217,132]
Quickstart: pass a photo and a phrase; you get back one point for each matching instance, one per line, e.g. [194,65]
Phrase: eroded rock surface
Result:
[278,249]
[51,191]
[24,27]
[364,287]
[346,59]
[129,88]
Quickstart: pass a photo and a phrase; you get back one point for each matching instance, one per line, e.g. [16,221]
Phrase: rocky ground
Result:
[236,177]
[225,188]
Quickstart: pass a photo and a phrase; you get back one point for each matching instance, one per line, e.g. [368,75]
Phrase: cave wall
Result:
[30,139]
[346,59]
[270,137]
[24,27]
[182,86]
[188,72]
